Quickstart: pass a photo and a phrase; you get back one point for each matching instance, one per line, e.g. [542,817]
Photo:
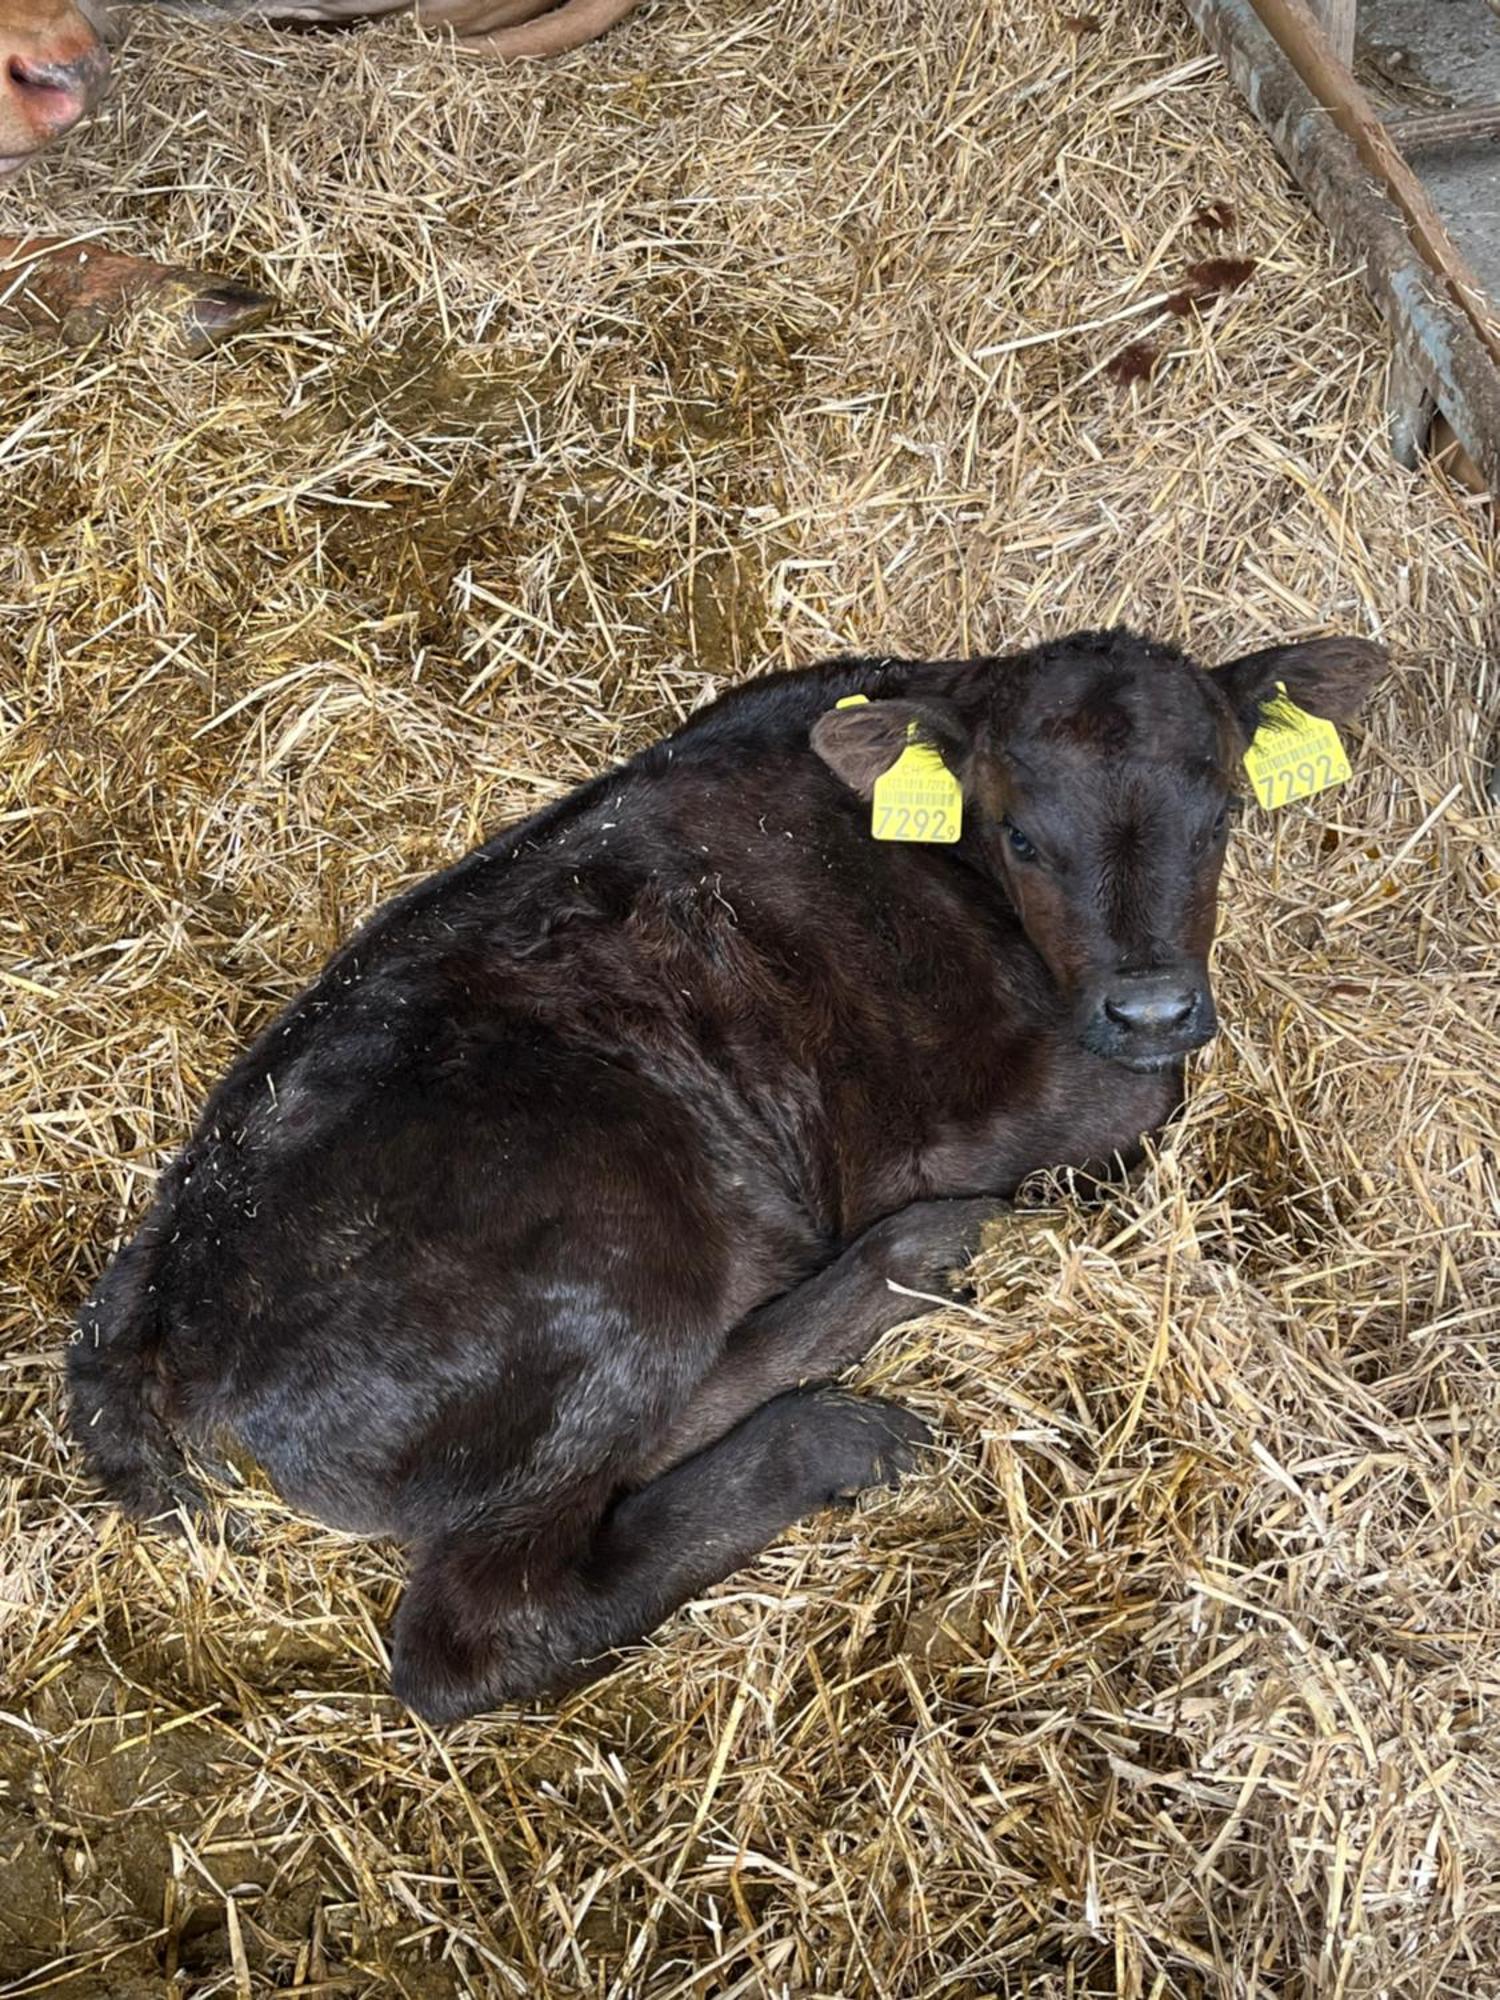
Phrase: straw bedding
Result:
[747,335]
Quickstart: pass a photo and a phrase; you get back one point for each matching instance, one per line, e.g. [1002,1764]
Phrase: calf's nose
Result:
[52,92]
[1151,1004]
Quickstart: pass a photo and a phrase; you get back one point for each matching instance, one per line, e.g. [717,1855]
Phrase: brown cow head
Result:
[53,66]
[1100,775]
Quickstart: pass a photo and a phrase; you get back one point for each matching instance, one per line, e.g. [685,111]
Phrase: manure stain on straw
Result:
[1133,363]
[709,392]
[1209,280]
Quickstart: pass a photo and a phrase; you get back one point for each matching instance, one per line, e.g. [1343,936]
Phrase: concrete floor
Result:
[1451,47]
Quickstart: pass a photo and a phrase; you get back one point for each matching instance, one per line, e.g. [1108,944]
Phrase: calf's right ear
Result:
[1327,677]
[860,744]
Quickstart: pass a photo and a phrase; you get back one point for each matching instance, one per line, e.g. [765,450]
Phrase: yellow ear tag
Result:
[918,798]
[1294,755]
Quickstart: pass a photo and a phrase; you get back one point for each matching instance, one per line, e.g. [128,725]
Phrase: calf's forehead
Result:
[1091,724]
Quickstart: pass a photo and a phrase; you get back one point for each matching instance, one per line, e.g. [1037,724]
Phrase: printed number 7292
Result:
[1295,781]
[911,822]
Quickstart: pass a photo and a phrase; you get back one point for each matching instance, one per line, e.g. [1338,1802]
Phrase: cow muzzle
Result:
[1149,1020]
[48,81]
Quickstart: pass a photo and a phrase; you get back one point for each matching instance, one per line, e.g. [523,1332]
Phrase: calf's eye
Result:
[1228,811]
[1020,845]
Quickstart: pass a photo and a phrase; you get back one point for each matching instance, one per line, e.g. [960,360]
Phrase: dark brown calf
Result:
[523,1234]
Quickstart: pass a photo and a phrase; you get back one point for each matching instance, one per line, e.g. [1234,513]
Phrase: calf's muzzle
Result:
[1145,1020]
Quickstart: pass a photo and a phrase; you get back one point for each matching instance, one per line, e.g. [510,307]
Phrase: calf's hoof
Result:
[847,1444]
[930,1246]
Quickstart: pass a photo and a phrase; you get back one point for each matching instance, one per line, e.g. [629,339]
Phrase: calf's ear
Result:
[860,744]
[1327,677]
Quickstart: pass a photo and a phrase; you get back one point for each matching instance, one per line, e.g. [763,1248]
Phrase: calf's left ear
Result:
[860,744]
[1327,677]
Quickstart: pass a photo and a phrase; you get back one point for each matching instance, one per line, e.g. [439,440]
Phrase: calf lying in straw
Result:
[531,1232]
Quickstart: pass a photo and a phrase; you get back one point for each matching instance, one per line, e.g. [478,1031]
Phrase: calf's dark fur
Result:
[534,1231]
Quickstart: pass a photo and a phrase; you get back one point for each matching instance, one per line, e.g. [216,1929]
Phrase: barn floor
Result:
[748,335]
[1417,57]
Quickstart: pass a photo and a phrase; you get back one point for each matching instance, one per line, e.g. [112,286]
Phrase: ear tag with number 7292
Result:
[1294,755]
[918,798]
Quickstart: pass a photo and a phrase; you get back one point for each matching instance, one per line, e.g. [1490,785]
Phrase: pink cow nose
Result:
[52,95]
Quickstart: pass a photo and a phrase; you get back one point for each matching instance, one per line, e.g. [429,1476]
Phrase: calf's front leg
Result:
[831,1320]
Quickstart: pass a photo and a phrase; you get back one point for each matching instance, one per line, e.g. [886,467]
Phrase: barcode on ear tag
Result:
[1294,755]
[918,798]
